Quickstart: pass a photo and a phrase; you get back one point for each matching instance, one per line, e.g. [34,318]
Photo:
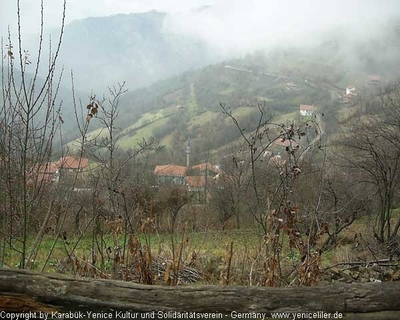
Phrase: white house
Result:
[306,110]
[351,90]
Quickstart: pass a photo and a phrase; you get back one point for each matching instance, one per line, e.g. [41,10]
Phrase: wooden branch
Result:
[41,292]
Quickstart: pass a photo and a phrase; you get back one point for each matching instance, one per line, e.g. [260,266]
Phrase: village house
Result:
[306,110]
[61,170]
[74,168]
[351,90]
[170,173]
[71,165]
[349,94]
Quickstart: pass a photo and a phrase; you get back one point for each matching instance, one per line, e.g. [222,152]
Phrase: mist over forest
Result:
[144,47]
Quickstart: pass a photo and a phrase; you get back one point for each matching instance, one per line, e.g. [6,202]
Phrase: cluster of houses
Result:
[201,178]
[198,178]
[351,91]
[194,178]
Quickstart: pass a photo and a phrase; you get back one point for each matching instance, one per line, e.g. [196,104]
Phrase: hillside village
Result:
[196,178]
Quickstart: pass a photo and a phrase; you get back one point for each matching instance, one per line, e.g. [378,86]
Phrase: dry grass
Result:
[204,257]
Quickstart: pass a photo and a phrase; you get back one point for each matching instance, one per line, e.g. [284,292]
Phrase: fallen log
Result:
[43,292]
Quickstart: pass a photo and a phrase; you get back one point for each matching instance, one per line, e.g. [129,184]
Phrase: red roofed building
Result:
[306,110]
[72,164]
[74,168]
[171,173]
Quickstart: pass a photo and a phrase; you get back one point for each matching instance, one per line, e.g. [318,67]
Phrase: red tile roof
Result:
[306,107]
[70,162]
[206,166]
[170,170]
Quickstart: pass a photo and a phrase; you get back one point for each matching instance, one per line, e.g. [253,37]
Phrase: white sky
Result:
[230,23]
[79,9]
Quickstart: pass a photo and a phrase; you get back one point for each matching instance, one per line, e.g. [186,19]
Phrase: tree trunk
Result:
[31,291]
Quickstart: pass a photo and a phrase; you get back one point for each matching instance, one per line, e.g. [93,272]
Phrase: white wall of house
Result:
[350,90]
[305,113]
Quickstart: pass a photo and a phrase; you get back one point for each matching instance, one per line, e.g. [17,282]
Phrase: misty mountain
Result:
[188,105]
[140,49]
[128,47]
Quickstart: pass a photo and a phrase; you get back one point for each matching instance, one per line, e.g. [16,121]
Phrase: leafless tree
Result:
[272,181]
[29,116]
